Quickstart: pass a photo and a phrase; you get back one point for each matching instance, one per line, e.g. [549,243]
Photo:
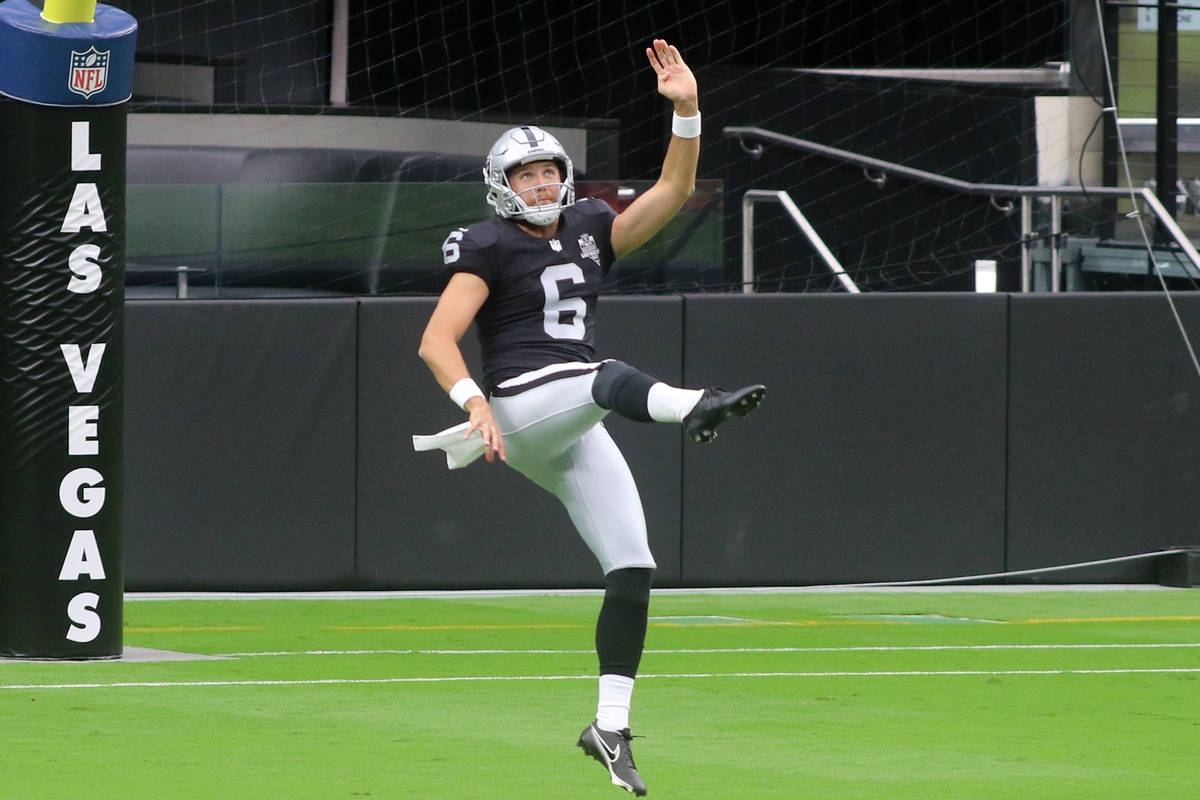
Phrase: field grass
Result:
[1046,694]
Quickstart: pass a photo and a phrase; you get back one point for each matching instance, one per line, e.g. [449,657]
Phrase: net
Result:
[329,147]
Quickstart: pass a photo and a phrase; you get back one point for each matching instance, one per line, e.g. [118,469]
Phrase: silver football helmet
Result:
[521,146]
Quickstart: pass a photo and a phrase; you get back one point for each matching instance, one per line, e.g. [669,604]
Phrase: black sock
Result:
[621,626]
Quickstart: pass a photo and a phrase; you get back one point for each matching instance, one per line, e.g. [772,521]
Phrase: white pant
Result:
[553,436]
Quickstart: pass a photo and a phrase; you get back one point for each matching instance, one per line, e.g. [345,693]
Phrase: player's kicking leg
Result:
[635,395]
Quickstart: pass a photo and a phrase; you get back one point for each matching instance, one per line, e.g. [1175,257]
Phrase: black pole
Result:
[63,92]
[1166,167]
[1110,174]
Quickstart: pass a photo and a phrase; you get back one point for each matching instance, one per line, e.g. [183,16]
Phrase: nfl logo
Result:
[89,71]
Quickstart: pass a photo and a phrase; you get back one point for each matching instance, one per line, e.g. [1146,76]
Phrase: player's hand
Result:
[675,81]
[483,421]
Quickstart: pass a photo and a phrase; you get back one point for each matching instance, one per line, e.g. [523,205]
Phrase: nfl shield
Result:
[89,71]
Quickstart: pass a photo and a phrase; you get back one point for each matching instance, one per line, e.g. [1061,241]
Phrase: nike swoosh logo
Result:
[612,754]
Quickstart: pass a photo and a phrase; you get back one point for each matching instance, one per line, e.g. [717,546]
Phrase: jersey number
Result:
[450,251]
[563,317]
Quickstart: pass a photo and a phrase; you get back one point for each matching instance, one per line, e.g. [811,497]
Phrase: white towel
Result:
[460,450]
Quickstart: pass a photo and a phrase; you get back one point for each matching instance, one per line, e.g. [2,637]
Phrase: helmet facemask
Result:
[519,146]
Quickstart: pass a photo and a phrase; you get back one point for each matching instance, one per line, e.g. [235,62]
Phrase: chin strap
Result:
[551,217]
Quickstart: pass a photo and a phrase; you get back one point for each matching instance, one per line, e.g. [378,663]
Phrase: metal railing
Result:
[753,196]
[995,191]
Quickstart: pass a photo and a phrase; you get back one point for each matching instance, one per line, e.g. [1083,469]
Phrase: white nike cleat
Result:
[612,750]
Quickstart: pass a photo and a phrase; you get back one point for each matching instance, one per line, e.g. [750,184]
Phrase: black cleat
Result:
[612,750]
[717,405]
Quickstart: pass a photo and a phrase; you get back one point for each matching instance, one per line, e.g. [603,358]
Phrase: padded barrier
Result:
[903,437]
[878,453]
[240,444]
[1104,433]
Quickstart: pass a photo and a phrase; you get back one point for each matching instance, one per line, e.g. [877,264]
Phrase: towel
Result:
[460,450]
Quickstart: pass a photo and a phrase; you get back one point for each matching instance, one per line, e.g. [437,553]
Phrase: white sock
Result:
[612,711]
[669,404]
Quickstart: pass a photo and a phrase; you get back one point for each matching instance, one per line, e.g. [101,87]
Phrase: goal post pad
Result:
[62,258]
[66,63]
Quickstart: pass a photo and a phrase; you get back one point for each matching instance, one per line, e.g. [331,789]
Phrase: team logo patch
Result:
[588,247]
[89,71]
[556,245]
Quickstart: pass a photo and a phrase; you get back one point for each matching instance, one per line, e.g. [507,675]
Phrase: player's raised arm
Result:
[648,214]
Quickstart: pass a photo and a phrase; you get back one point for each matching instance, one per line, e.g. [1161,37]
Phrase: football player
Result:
[529,278]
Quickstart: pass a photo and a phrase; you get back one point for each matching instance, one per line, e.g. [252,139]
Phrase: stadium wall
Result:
[905,437]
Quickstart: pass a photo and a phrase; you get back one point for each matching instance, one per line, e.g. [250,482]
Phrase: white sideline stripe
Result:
[711,650]
[674,675]
[474,594]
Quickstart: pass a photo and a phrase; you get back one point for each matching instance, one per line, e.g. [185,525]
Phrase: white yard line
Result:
[589,677]
[711,650]
[724,590]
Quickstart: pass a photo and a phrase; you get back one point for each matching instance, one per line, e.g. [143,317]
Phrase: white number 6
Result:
[450,246]
[556,308]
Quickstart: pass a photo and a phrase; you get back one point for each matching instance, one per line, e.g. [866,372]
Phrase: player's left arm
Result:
[647,215]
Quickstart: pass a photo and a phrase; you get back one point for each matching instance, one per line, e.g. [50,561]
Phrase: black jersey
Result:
[542,292]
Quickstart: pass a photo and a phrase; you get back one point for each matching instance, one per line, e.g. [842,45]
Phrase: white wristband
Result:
[463,391]
[685,127]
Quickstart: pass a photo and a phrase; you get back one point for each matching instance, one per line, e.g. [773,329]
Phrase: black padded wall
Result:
[421,525]
[1104,433]
[878,454]
[240,423]
[903,437]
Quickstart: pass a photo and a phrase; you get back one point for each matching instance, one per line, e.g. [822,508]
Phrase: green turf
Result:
[972,726]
